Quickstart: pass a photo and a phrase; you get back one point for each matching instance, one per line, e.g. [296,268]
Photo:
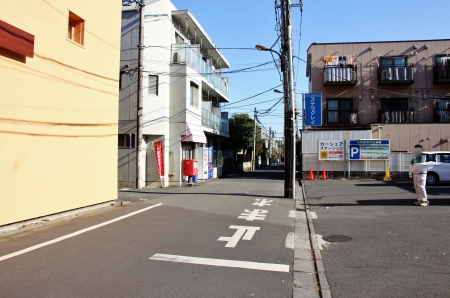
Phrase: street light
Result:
[289,127]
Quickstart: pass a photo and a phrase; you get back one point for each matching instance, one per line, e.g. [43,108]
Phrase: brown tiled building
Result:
[403,86]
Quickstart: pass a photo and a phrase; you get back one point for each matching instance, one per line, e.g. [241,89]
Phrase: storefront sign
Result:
[331,149]
[313,109]
[159,157]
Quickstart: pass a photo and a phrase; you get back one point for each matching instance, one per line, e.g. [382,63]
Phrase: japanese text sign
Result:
[313,109]
[369,149]
[331,149]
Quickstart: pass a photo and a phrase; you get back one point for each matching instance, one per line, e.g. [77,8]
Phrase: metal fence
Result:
[399,163]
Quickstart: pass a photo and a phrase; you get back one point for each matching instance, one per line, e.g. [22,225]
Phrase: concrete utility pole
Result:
[140,101]
[270,151]
[254,142]
[290,133]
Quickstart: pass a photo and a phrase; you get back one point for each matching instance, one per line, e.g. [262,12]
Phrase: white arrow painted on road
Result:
[242,231]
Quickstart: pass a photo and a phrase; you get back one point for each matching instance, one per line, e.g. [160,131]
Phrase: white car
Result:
[438,166]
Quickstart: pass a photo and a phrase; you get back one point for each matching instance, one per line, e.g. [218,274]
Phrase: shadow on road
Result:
[392,202]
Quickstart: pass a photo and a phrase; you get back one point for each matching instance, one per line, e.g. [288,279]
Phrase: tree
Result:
[241,133]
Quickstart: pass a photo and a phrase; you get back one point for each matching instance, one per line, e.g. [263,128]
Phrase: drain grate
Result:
[336,238]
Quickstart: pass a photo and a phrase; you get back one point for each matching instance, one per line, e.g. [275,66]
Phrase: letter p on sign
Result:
[355,152]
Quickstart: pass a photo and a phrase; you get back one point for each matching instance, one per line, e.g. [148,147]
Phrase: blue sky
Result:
[246,23]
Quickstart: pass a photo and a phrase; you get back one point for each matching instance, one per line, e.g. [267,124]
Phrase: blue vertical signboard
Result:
[313,109]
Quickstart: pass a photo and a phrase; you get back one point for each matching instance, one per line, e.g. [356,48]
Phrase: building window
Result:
[394,69]
[127,140]
[76,28]
[194,94]
[178,38]
[395,110]
[339,110]
[153,82]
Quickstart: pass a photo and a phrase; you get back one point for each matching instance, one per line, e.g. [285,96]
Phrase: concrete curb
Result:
[324,287]
[305,283]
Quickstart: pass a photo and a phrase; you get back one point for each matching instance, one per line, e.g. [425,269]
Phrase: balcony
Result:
[336,75]
[396,75]
[441,74]
[183,53]
[393,115]
[219,125]
[442,115]
[341,117]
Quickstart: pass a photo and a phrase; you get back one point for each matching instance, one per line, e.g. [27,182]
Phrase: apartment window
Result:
[339,110]
[395,110]
[443,59]
[127,140]
[178,38]
[76,28]
[153,82]
[194,94]
[395,69]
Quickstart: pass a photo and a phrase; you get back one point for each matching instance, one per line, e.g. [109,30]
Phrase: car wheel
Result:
[432,179]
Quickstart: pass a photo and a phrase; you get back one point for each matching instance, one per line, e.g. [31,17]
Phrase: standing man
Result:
[419,171]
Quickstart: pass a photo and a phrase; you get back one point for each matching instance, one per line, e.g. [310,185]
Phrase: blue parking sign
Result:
[355,151]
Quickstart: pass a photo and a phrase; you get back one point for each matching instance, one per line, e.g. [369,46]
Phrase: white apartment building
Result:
[183,89]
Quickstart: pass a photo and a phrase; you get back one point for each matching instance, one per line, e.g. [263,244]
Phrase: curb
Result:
[305,279]
[324,287]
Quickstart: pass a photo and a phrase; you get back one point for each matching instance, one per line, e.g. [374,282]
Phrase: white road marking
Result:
[290,243]
[262,202]
[20,252]
[313,215]
[256,214]
[221,263]
[233,240]
[320,242]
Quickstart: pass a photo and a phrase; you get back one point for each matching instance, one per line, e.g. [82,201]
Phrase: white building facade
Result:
[182,92]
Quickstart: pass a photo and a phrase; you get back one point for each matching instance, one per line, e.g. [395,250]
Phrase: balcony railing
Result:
[218,124]
[396,75]
[441,74]
[335,75]
[396,115]
[341,117]
[442,115]
[183,53]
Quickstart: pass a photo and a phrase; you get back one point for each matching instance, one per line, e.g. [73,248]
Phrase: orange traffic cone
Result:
[324,174]
[311,176]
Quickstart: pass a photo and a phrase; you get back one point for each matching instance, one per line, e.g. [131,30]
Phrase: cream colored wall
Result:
[59,110]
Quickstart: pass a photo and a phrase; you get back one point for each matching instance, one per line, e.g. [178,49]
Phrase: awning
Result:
[194,134]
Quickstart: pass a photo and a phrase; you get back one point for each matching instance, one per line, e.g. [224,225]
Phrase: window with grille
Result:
[194,95]
[127,140]
[153,84]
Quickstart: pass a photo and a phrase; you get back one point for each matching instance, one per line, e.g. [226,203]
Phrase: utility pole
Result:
[254,142]
[290,122]
[140,101]
[270,151]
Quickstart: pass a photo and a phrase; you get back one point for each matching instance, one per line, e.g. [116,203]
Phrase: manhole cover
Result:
[336,238]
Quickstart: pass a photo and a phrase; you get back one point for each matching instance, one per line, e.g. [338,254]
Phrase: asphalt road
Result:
[396,249]
[154,252]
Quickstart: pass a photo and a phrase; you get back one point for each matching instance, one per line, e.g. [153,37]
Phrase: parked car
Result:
[438,166]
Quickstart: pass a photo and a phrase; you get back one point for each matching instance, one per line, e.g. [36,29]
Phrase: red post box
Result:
[189,167]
